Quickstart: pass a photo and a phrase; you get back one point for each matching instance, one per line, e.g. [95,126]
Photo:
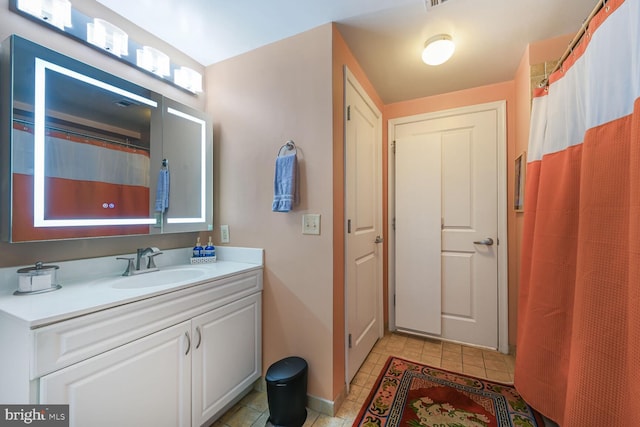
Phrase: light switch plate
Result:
[311,224]
[224,233]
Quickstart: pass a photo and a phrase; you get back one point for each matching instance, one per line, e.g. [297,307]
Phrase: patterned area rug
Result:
[414,395]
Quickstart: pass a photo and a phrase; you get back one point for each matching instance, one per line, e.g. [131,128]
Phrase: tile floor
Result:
[253,410]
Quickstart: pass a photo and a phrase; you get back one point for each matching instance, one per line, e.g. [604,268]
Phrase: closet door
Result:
[447,227]
[418,223]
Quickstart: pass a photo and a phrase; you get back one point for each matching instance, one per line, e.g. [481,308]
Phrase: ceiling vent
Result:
[430,4]
[124,103]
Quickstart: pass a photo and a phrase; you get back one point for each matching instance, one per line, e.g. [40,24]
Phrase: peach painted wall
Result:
[523,113]
[258,101]
[342,57]
[496,92]
[12,23]
[548,50]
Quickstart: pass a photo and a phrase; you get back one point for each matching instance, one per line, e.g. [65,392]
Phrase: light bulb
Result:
[438,50]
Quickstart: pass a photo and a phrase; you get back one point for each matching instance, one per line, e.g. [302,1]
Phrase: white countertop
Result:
[96,284]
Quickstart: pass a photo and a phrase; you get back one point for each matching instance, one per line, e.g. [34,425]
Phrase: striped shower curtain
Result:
[578,348]
[84,179]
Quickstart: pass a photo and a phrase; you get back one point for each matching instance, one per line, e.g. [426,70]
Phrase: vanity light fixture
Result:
[189,79]
[153,60]
[107,36]
[54,12]
[438,49]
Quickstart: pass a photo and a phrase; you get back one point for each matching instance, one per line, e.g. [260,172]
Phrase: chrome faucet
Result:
[133,269]
[144,252]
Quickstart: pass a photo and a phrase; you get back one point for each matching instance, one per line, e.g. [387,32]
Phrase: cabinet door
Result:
[227,355]
[144,383]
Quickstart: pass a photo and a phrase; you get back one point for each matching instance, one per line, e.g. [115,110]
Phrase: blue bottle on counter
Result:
[209,250]
[198,251]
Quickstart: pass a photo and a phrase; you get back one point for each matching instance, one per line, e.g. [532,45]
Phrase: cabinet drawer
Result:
[70,341]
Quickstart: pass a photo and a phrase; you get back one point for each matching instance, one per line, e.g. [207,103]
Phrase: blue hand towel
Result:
[285,186]
[162,191]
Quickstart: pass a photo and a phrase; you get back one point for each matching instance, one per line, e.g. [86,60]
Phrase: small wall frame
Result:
[520,170]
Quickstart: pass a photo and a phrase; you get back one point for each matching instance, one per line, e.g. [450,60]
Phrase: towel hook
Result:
[165,163]
[289,146]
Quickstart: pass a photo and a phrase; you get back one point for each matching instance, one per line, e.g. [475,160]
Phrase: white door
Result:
[364,226]
[447,227]
[418,208]
[100,391]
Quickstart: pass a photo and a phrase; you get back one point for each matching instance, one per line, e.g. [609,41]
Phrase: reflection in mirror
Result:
[86,179]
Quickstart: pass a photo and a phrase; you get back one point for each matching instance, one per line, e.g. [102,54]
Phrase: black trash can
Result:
[287,392]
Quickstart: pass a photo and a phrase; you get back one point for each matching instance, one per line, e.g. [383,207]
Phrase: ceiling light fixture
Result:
[438,49]
[107,36]
[54,12]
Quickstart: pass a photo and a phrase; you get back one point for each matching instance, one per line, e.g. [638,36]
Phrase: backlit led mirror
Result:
[80,178]
[86,150]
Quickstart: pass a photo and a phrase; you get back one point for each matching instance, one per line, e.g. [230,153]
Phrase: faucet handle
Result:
[130,266]
[150,261]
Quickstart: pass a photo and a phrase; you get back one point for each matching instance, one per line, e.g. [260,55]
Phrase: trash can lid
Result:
[285,369]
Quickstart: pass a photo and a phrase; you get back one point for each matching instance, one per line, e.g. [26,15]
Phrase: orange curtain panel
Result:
[578,347]
[84,179]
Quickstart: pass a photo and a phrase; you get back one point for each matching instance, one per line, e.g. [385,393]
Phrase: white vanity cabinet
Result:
[177,358]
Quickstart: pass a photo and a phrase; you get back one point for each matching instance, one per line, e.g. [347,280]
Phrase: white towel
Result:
[285,184]
[162,191]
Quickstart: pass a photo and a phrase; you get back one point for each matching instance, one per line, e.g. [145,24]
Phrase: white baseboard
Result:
[318,404]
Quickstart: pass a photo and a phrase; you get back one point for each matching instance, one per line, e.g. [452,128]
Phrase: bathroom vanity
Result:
[175,347]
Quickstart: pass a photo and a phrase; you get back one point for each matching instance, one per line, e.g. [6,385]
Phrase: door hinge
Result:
[348,112]
[393,223]
[350,341]
[349,226]
[393,147]
[394,300]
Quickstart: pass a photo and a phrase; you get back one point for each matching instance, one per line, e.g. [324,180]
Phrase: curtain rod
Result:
[574,42]
[87,136]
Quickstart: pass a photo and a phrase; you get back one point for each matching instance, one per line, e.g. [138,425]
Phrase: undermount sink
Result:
[157,278]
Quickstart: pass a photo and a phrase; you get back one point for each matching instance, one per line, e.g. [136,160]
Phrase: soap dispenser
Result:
[210,250]
[198,251]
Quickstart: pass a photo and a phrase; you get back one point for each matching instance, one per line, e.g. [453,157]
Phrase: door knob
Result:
[378,240]
[488,242]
